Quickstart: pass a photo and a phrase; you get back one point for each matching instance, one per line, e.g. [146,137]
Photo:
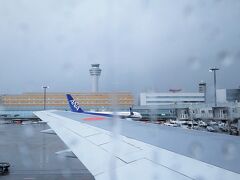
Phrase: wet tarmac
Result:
[32,155]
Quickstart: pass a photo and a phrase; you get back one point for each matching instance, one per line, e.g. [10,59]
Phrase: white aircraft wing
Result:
[134,153]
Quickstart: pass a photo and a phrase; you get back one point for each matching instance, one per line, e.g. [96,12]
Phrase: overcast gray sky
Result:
[142,45]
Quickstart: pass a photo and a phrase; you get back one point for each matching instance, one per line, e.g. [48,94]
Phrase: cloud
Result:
[139,43]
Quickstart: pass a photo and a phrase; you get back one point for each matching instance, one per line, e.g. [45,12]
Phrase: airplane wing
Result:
[121,149]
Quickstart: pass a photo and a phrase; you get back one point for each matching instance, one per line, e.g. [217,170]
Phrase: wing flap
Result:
[143,169]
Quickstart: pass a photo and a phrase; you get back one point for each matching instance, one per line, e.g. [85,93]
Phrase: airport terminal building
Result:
[153,106]
[24,104]
[228,95]
[156,99]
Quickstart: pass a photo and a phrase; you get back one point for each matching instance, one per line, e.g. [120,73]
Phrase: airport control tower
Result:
[95,72]
[202,88]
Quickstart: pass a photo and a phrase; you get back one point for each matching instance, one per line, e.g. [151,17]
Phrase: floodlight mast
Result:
[215,84]
[44,96]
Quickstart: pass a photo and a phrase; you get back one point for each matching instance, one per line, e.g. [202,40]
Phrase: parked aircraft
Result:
[75,107]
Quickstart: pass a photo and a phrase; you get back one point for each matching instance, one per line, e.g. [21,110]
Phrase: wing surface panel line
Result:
[132,155]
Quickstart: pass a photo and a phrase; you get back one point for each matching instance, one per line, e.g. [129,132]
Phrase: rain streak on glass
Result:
[153,57]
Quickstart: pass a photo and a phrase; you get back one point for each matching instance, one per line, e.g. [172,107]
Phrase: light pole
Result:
[215,83]
[44,96]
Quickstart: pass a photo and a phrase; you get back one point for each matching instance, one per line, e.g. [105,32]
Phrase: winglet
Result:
[75,107]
